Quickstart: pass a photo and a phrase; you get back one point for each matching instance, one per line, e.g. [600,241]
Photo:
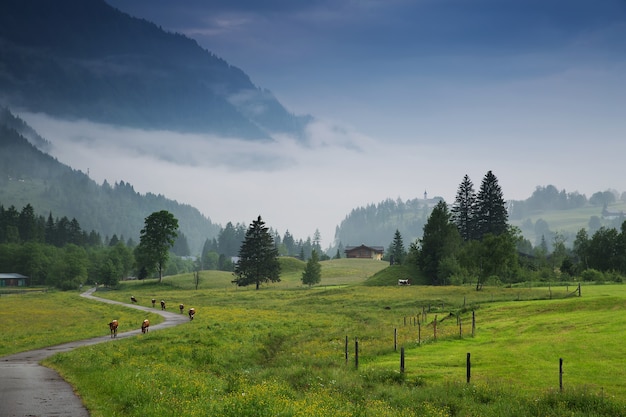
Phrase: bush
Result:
[592,275]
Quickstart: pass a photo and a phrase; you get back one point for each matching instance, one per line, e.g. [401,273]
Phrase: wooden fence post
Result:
[395,340]
[419,332]
[561,374]
[460,329]
[346,349]
[473,322]
[435,327]
[469,368]
[356,352]
[402,359]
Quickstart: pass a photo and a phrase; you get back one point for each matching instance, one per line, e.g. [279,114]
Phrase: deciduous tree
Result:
[156,239]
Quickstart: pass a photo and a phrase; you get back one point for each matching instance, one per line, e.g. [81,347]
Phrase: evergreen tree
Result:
[258,257]
[440,240]
[289,243]
[491,213]
[463,209]
[313,272]
[397,251]
[228,242]
[181,246]
[27,225]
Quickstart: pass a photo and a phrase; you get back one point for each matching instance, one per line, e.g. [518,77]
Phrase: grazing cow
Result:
[153,302]
[162,305]
[133,299]
[182,307]
[403,282]
[192,312]
[113,327]
[145,325]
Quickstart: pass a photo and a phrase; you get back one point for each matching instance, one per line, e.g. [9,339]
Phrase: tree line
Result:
[57,252]
[473,242]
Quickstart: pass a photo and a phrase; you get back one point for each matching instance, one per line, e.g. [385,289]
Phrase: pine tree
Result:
[258,257]
[397,251]
[491,213]
[463,209]
[313,272]
[440,240]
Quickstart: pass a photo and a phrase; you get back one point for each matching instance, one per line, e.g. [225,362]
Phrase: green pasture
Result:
[38,319]
[570,221]
[281,351]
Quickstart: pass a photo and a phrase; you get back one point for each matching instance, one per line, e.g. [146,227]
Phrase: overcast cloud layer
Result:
[409,97]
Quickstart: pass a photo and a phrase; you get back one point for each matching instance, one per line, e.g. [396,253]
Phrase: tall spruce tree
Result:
[397,251]
[440,240]
[491,213]
[258,257]
[463,209]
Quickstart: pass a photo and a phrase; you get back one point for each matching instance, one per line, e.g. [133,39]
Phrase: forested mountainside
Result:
[376,224]
[548,214]
[86,59]
[31,176]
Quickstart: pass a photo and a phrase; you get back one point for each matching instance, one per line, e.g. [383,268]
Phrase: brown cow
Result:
[113,327]
[133,299]
[162,305]
[182,307]
[145,325]
[153,302]
[192,312]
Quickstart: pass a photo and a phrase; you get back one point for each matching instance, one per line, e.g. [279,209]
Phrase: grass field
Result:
[282,350]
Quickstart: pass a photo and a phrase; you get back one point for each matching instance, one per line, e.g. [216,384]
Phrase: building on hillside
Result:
[13,280]
[365,252]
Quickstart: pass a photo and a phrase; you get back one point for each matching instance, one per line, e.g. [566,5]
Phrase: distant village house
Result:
[13,280]
[365,252]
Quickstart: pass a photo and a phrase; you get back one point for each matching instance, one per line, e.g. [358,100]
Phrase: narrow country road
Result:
[28,389]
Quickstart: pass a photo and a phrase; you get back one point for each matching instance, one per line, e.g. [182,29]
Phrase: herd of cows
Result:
[146,323]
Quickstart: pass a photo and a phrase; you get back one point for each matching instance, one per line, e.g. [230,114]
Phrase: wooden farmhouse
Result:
[365,252]
[13,280]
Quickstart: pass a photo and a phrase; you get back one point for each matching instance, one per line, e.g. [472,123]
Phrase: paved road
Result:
[28,389]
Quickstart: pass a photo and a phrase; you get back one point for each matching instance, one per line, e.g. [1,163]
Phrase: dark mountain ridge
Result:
[85,59]
[30,176]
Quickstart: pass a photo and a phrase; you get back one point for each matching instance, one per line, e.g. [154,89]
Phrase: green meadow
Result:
[289,350]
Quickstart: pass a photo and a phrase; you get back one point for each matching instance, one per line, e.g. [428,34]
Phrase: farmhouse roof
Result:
[373,248]
[11,275]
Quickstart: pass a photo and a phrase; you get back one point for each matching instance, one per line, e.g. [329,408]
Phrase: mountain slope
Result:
[86,59]
[30,176]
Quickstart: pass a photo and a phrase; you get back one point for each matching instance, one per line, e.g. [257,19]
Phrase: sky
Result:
[408,97]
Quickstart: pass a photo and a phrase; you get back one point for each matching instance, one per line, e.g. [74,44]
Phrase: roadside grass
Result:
[35,320]
[281,351]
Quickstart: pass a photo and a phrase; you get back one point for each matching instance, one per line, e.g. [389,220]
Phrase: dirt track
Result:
[28,389]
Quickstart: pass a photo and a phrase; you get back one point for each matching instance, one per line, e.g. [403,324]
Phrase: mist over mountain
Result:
[31,176]
[83,59]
